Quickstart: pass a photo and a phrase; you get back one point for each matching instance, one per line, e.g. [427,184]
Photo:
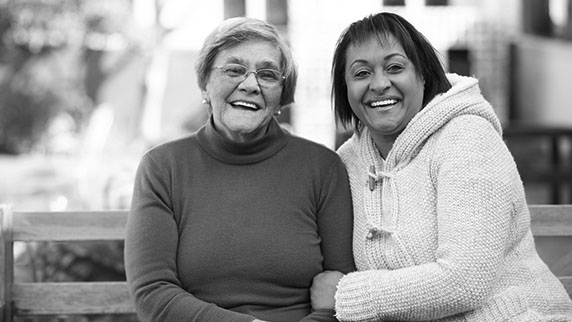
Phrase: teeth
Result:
[383,103]
[246,104]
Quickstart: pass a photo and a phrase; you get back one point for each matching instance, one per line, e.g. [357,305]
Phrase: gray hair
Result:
[235,31]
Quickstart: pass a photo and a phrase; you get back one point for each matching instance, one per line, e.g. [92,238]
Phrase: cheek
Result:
[355,94]
[354,98]
[218,90]
[273,100]
[418,87]
[418,97]
[274,96]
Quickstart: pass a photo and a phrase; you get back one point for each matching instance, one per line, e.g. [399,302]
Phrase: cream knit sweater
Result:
[442,228]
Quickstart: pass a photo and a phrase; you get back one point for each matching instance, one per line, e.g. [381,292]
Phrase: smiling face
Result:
[242,110]
[383,87]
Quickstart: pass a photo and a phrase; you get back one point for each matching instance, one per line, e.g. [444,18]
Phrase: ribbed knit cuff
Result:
[353,301]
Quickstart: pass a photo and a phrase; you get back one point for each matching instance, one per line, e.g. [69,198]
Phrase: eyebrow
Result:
[263,64]
[386,58]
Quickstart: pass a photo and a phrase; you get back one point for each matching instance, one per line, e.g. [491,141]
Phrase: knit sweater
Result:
[442,228]
[220,231]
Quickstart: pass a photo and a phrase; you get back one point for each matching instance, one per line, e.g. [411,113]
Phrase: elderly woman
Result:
[234,221]
[441,228]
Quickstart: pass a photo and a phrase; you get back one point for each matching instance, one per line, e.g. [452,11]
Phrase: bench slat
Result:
[69,226]
[31,299]
[551,220]
[71,298]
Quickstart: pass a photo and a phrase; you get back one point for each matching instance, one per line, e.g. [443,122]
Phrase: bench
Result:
[34,299]
[542,158]
[66,298]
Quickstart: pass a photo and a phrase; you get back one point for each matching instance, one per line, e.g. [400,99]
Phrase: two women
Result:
[234,221]
[441,227]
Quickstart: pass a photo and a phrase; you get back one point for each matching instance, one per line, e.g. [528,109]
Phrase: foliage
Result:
[41,67]
[26,108]
[42,45]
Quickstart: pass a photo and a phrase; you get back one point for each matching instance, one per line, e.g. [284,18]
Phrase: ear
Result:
[206,99]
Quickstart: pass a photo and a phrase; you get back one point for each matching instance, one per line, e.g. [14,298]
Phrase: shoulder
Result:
[469,129]
[169,151]
[471,138]
[314,159]
[349,150]
[311,149]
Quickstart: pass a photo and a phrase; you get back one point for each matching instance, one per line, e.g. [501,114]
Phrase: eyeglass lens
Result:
[265,76]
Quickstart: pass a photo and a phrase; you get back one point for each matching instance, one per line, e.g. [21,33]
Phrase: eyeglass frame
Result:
[255,72]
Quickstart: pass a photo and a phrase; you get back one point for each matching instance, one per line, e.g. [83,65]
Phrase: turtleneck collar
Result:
[227,151]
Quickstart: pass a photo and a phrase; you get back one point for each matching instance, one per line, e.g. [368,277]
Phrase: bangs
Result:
[382,28]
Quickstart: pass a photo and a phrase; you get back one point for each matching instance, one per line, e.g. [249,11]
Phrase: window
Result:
[549,18]
[396,3]
[436,2]
[234,8]
[277,12]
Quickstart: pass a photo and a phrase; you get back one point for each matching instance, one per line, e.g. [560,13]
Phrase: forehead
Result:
[252,52]
[376,46]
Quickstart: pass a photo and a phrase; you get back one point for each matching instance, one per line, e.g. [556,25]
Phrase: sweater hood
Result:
[464,98]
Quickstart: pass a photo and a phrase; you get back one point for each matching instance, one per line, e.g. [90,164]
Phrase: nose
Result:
[250,83]
[380,82]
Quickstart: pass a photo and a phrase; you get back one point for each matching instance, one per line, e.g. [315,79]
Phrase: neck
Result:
[250,151]
[242,137]
[384,143]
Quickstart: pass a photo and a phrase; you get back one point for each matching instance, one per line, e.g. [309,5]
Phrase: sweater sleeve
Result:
[475,179]
[335,226]
[150,256]
[335,220]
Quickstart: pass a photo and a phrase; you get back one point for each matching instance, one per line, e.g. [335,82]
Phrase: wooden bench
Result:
[542,159]
[69,298]
[33,299]
[554,222]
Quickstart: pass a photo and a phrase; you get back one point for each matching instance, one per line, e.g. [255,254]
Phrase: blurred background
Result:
[86,86]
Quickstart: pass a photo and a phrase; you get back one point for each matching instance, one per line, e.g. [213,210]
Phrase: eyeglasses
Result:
[266,77]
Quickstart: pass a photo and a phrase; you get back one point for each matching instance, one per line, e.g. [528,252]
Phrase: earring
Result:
[205,96]
[278,112]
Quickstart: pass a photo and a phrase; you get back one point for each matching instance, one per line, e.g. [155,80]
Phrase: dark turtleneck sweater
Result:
[220,231]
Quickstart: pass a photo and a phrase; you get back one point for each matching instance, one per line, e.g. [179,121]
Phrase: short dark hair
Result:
[417,48]
[235,31]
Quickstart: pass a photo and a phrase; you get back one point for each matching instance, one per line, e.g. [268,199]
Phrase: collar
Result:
[227,151]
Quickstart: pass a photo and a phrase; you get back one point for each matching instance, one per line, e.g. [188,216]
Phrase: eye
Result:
[234,70]
[361,73]
[395,68]
[268,74]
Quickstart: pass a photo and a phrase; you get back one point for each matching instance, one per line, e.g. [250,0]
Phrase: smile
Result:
[246,105]
[384,103]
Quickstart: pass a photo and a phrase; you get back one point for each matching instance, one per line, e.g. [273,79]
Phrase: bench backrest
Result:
[66,298]
[555,221]
[29,299]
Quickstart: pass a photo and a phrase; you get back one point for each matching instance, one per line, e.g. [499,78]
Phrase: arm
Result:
[324,287]
[150,256]
[474,178]
[335,225]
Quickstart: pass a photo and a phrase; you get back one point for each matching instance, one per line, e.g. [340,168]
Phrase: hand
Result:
[323,289]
